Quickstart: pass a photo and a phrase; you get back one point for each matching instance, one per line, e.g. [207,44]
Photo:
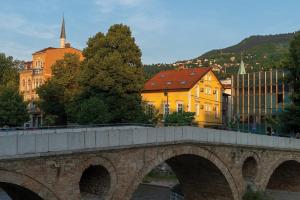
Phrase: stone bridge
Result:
[110,163]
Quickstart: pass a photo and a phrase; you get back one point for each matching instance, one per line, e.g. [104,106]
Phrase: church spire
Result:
[242,69]
[63,34]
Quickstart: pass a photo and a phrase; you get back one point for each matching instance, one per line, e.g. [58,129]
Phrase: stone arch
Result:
[284,176]
[176,151]
[249,169]
[105,166]
[271,167]
[21,182]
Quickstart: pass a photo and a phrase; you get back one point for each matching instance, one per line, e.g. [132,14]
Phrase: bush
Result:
[180,118]
[255,195]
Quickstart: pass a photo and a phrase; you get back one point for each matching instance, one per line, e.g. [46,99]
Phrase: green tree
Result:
[104,88]
[255,195]
[113,69]
[92,110]
[291,114]
[8,73]
[180,118]
[13,110]
[58,92]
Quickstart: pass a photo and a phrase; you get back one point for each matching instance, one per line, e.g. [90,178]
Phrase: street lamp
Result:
[167,109]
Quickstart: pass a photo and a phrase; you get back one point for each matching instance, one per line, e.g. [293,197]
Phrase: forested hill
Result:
[259,52]
[267,44]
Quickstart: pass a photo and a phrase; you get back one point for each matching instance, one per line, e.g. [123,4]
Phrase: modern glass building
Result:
[256,96]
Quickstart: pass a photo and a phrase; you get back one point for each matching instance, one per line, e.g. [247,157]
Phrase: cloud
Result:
[107,6]
[16,50]
[148,23]
[18,24]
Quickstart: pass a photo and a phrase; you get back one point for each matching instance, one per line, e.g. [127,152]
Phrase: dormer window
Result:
[162,76]
[169,83]
[193,73]
[183,82]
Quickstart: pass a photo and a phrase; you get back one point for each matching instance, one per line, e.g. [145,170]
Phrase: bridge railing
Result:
[60,141]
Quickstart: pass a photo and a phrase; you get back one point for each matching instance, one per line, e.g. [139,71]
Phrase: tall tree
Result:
[104,88]
[8,73]
[113,68]
[59,91]
[291,115]
[13,110]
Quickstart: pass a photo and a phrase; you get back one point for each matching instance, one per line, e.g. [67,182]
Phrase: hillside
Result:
[259,52]
[266,44]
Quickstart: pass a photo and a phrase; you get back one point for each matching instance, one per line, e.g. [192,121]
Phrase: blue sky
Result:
[165,30]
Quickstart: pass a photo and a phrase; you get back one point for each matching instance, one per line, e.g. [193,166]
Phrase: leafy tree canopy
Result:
[291,115]
[180,118]
[104,88]
[13,110]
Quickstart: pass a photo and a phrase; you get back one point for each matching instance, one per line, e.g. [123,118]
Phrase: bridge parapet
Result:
[36,143]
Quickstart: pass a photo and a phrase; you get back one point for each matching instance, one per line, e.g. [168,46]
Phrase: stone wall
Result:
[219,167]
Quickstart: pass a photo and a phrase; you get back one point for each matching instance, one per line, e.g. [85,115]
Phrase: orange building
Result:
[37,71]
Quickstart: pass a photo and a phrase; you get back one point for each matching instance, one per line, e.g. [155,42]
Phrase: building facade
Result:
[195,90]
[37,71]
[257,96]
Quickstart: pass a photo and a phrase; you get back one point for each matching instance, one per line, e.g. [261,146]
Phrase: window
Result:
[197,109]
[208,91]
[197,91]
[180,107]
[216,93]
[150,108]
[279,98]
[216,112]
[207,108]
[209,77]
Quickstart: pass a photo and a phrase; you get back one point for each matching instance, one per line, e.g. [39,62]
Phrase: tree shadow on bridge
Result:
[198,178]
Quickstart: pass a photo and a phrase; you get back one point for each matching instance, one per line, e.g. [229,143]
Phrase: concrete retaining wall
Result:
[47,142]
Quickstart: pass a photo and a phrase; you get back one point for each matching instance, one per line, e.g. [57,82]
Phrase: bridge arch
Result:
[99,173]
[16,184]
[284,175]
[177,155]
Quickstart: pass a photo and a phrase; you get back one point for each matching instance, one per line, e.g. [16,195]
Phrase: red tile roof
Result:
[51,48]
[44,50]
[182,79]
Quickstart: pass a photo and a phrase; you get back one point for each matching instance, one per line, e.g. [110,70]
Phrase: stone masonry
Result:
[212,171]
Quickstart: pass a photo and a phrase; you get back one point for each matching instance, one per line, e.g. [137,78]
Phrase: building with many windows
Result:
[192,90]
[37,71]
[257,96]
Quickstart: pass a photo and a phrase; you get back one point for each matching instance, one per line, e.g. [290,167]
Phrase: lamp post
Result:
[167,109]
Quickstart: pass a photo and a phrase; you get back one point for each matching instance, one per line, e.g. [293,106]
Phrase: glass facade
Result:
[257,96]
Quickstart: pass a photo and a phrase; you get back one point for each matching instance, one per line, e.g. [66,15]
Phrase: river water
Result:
[154,192]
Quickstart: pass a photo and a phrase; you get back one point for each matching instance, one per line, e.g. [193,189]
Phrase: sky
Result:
[165,30]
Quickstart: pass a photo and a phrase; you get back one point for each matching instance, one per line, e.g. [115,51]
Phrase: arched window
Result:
[29,84]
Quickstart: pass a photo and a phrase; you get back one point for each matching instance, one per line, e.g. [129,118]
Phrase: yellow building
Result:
[192,90]
[37,71]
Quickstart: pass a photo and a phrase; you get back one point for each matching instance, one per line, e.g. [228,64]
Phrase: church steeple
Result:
[242,69]
[63,34]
